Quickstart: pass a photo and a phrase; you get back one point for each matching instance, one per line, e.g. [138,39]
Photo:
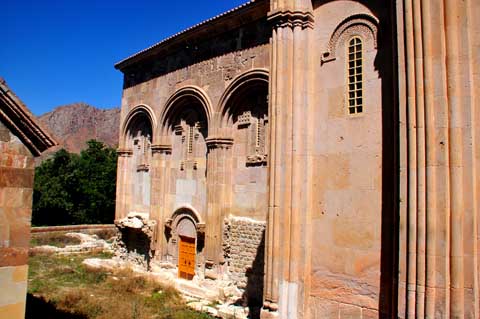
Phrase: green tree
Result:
[76,189]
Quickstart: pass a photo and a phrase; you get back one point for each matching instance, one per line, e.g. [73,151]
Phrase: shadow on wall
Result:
[253,294]
[385,63]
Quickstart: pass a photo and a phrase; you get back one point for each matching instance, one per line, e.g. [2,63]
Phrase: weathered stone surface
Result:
[134,241]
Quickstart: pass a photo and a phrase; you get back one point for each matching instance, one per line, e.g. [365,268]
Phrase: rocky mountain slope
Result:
[74,124]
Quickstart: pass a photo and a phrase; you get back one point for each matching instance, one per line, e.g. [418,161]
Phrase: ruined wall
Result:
[244,245]
[16,183]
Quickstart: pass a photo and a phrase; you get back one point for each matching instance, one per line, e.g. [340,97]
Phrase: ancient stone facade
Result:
[21,139]
[346,127]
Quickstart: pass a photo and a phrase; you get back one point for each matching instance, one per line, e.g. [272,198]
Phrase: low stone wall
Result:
[244,245]
[73,228]
[104,231]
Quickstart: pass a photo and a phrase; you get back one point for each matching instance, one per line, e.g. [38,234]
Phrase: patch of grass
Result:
[70,287]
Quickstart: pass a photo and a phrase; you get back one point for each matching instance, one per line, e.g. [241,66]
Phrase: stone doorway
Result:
[186,257]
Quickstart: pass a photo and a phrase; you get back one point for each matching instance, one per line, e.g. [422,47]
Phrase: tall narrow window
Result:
[355,76]
[190,139]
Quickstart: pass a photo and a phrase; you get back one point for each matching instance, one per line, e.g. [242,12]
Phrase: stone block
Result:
[13,311]
[369,314]
[350,312]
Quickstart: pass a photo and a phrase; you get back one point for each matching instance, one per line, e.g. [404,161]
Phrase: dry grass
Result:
[63,282]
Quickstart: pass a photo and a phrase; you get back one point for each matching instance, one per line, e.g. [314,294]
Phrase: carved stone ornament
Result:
[363,25]
[245,118]
[178,129]
[219,142]
[292,19]
[143,168]
[162,148]
[257,159]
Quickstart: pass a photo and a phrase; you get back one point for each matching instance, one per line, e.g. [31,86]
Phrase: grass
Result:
[63,283]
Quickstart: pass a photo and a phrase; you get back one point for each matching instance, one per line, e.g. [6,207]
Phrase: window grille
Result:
[355,76]
[190,139]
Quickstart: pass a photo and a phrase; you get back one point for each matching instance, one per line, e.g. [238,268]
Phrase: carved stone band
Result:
[219,142]
[162,148]
[123,152]
[287,18]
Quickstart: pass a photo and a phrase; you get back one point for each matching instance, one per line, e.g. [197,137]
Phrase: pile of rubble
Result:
[87,244]
[135,239]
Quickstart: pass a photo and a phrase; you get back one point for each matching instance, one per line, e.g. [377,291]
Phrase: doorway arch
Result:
[185,236]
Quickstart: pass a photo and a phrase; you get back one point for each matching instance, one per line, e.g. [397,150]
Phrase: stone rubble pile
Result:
[135,239]
[88,243]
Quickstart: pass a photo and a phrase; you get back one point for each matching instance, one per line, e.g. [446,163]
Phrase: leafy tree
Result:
[76,189]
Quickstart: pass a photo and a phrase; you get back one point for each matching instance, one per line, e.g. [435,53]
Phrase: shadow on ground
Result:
[39,308]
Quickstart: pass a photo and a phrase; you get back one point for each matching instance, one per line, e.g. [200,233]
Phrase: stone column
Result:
[438,77]
[288,250]
[124,186]
[159,180]
[218,195]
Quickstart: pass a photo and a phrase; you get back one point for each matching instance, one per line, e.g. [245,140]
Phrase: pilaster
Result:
[159,180]
[123,183]
[219,195]
[439,232]
[287,258]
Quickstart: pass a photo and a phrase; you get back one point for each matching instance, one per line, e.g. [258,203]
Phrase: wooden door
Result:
[186,258]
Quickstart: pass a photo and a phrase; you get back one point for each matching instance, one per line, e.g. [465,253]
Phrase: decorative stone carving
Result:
[143,168]
[291,19]
[256,140]
[245,118]
[363,25]
[161,148]
[257,159]
[178,129]
[219,142]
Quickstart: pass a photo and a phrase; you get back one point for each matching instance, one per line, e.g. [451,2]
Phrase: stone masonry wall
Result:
[243,246]
[16,182]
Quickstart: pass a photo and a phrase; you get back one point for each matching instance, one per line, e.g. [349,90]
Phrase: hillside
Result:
[74,124]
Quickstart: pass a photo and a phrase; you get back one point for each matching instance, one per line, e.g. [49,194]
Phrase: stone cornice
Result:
[161,148]
[219,142]
[291,19]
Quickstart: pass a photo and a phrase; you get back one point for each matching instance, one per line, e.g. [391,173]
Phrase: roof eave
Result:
[17,117]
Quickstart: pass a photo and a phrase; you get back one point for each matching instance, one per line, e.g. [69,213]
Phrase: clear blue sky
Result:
[59,52]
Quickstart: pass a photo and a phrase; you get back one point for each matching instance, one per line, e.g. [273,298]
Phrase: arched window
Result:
[355,76]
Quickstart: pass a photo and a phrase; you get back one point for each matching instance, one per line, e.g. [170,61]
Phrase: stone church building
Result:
[321,154]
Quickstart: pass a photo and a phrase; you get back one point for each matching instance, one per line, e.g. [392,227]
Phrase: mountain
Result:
[74,124]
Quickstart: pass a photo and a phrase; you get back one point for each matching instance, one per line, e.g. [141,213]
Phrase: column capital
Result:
[124,152]
[161,148]
[219,142]
[281,18]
